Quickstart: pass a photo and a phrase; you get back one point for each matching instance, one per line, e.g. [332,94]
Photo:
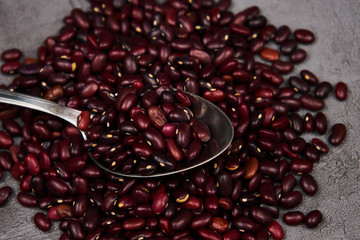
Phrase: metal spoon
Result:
[220,126]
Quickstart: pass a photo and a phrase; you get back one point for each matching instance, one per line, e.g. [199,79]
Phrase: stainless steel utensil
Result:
[221,128]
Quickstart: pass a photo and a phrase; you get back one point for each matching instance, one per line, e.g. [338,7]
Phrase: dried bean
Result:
[313,219]
[294,218]
[338,134]
[5,193]
[341,91]
[42,222]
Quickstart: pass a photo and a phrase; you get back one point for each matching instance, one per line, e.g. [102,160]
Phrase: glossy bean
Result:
[338,134]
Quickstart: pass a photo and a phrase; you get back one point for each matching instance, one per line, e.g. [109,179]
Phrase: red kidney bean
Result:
[225,184]
[320,123]
[269,168]
[224,54]
[141,121]
[313,219]
[81,184]
[280,123]
[64,65]
[11,55]
[160,199]
[304,36]
[183,135]
[214,95]
[257,45]
[322,90]
[225,203]
[273,210]
[193,150]
[267,193]
[261,216]
[84,120]
[155,139]
[338,134]
[80,18]
[311,153]
[177,115]
[209,234]
[341,91]
[320,145]
[251,167]
[5,193]
[181,221]
[37,185]
[57,187]
[283,66]
[18,170]
[149,99]
[202,220]
[6,162]
[310,102]
[183,98]
[127,102]
[64,211]
[301,165]
[309,76]
[76,164]
[157,116]
[283,167]
[201,55]
[288,183]
[232,234]
[32,164]
[193,203]
[5,140]
[91,219]
[76,230]
[282,34]
[275,230]
[308,184]
[298,55]
[42,222]
[288,46]
[80,205]
[211,204]
[291,199]
[245,224]
[299,85]
[270,54]
[11,127]
[273,77]
[219,224]
[298,145]
[308,122]
[294,218]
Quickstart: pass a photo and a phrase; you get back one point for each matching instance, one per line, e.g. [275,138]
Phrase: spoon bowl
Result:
[220,126]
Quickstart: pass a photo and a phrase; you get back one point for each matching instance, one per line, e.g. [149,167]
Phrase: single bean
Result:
[294,218]
[308,184]
[313,219]
[5,193]
[341,91]
[338,134]
[42,222]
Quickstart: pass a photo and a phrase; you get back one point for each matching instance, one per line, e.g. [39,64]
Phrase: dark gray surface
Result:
[334,57]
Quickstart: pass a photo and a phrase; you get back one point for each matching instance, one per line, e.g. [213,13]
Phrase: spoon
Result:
[221,128]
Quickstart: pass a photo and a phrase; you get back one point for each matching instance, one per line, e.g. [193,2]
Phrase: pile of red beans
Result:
[145,131]
[238,61]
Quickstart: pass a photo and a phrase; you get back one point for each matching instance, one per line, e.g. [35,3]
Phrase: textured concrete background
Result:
[334,57]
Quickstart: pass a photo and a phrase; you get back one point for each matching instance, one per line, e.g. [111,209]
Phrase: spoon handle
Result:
[39,104]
